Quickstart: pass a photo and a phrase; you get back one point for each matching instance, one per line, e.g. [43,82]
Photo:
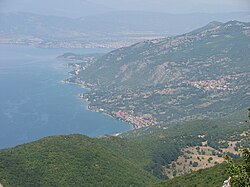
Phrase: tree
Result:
[195,164]
[240,171]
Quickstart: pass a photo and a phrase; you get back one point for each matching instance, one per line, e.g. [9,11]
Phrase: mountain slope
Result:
[161,61]
[191,76]
[214,177]
[133,159]
[73,160]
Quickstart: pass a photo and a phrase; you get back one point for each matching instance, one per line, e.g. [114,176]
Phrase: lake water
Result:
[34,103]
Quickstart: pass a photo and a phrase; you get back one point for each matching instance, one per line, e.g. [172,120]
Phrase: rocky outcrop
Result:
[227,183]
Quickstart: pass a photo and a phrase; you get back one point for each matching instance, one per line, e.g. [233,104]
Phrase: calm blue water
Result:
[34,103]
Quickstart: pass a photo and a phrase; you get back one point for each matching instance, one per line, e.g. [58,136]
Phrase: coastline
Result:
[135,121]
[111,115]
[87,107]
[74,80]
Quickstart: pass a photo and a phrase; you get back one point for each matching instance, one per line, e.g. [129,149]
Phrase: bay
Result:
[35,104]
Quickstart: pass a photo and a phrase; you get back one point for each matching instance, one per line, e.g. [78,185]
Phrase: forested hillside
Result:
[137,158]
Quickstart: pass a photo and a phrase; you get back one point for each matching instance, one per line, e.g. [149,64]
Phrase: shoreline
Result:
[135,121]
[87,103]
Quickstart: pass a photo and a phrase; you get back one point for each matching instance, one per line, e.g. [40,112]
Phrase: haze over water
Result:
[34,102]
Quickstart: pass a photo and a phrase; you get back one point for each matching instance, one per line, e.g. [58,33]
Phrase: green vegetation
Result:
[211,177]
[133,159]
[73,160]
[210,159]
[240,171]
[165,144]
[195,164]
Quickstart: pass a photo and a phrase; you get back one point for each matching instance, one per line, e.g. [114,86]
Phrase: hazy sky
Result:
[179,6]
[78,8]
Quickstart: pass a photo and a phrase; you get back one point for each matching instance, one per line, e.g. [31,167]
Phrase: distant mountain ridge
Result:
[71,9]
[113,24]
